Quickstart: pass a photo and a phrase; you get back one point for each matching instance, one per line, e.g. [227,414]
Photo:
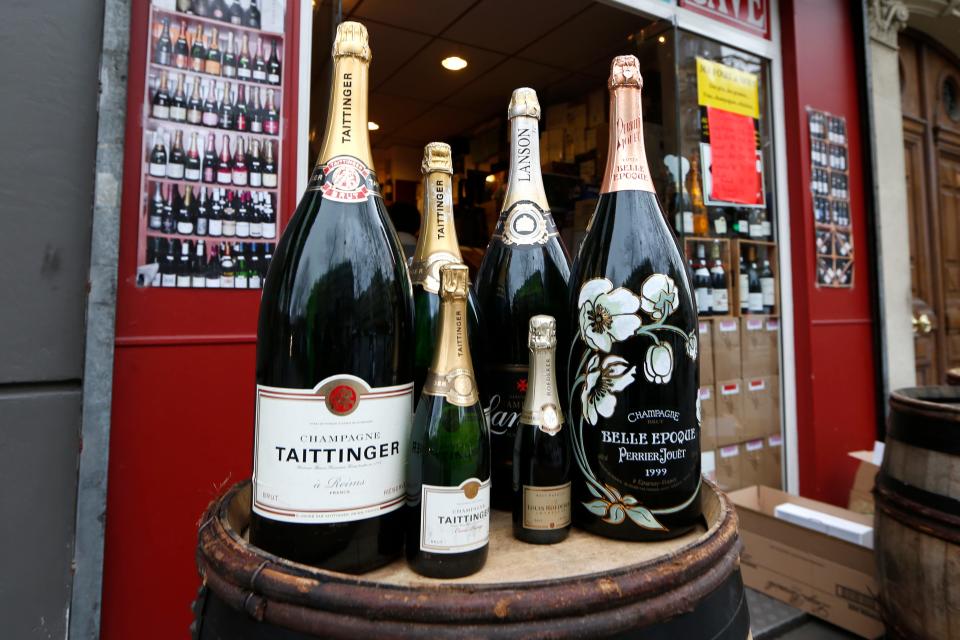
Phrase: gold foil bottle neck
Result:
[352,40]
[437,157]
[454,281]
[543,332]
[524,102]
[625,72]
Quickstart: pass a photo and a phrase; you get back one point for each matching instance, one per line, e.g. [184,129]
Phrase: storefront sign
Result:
[727,88]
[752,16]
[830,187]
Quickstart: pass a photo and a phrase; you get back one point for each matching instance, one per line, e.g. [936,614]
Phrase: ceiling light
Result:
[662,39]
[454,63]
[372,126]
[491,178]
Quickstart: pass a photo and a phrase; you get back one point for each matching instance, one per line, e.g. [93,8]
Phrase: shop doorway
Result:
[930,82]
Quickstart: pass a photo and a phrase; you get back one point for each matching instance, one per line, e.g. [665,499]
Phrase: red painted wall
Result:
[834,328]
[182,398]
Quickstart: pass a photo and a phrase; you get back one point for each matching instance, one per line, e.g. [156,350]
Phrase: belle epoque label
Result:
[526,223]
[344,179]
[546,508]
[455,519]
[334,453]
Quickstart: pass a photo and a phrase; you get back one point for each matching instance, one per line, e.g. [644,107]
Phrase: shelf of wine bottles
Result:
[733,277]
[211,145]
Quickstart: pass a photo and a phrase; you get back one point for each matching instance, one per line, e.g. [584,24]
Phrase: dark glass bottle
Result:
[269,166]
[523,273]
[214,57]
[235,13]
[185,218]
[259,66]
[198,52]
[210,161]
[160,107]
[768,287]
[228,67]
[158,157]
[273,64]
[271,117]
[335,355]
[244,64]
[227,115]
[168,223]
[755,299]
[224,168]
[448,471]
[183,265]
[181,51]
[702,288]
[163,52]
[155,216]
[629,350]
[541,454]
[178,103]
[194,104]
[192,169]
[718,283]
[211,116]
[252,17]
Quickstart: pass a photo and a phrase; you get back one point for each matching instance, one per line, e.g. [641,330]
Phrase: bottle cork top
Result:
[437,157]
[352,40]
[625,72]
[454,281]
[543,332]
[524,102]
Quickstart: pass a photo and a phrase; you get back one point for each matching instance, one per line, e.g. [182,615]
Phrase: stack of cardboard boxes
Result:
[575,135]
[740,401]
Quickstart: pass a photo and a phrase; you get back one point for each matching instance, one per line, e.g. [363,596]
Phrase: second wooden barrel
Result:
[918,515]
[585,587]
[953,377]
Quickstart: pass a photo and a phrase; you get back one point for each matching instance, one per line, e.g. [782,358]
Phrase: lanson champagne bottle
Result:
[541,454]
[523,273]
[335,355]
[448,472]
[436,246]
[630,352]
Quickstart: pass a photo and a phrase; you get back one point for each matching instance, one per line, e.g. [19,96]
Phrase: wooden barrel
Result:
[953,377]
[584,587]
[918,515]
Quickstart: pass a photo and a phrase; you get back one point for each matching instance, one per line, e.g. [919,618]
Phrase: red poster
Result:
[733,162]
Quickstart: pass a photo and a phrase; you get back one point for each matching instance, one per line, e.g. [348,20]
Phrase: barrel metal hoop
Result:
[917,516]
[256,574]
[255,606]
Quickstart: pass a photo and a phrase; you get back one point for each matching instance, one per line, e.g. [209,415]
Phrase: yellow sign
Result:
[727,88]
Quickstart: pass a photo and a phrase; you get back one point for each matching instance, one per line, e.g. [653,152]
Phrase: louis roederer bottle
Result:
[335,355]
[448,472]
[630,350]
[524,272]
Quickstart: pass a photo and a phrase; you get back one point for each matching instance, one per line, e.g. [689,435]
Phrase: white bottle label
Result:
[256,179]
[721,303]
[704,298]
[269,180]
[158,170]
[756,230]
[334,453]
[161,112]
[455,519]
[756,303]
[175,171]
[255,282]
[766,284]
[198,282]
[178,113]
[744,291]
[216,227]
[243,229]
[241,282]
[192,174]
[183,281]
[766,229]
[688,222]
[243,73]
[213,283]
[273,78]
[185,228]
[269,230]
[720,226]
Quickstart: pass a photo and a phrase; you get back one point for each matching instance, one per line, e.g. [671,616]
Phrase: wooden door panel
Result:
[949,222]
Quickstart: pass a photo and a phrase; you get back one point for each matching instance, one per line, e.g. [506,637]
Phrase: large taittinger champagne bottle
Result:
[523,273]
[630,353]
[448,473]
[335,355]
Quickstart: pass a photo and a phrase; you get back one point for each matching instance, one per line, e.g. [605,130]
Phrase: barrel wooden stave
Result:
[918,515]
[661,594]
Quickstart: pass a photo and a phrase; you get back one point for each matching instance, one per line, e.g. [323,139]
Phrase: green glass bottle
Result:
[448,468]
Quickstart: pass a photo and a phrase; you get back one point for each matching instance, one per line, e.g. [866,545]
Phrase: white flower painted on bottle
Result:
[604,378]
[692,344]
[698,409]
[607,315]
[658,296]
[658,365]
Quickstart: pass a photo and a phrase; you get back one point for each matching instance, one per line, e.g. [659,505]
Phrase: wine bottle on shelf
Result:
[158,156]
[168,224]
[743,222]
[255,111]
[198,267]
[256,217]
[630,355]
[178,102]
[235,13]
[523,273]
[168,266]
[177,160]
[755,288]
[240,172]
[702,288]
[541,454]
[228,272]
[227,115]
[195,104]
[181,51]
[255,170]
[202,217]
[448,472]
[768,287]
[269,218]
[436,246]
[679,168]
[198,53]
[215,226]
[244,64]
[718,282]
[155,216]
[743,287]
[273,64]
[259,66]
[256,274]
[184,217]
[269,166]
[228,67]
[242,278]
[243,217]
[718,221]
[252,16]
[192,169]
[212,275]
[214,57]
[164,48]
[160,107]
[209,166]
[271,117]
[183,265]
[339,270]
[155,248]
[701,226]
[229,216]
[218,10]
[224,168]
[756,225]
[241,118]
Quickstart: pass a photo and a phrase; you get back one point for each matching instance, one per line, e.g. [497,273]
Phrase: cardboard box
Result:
[708,419]
[829,578]
[861,493]
[729,397]
[708,465]
[556,116]
[726,349]
[728,467]
[759,347]
[705,345]
[751,469]
[551,146]
[761,407]
[771,469]
[597,107]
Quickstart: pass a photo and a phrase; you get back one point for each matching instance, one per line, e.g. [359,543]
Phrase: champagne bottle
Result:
[244,64]
[181,52]
[160,108]
[195,104]
[192,166]
[224,168]
[198,267]
[269,176]
[631,357]
[158,156]
[259,66]
[448,471]
[164,49]
[176,164]
[541,454]
[214,57]
[228,67]
[523,273]
[155,217]
[436,246]
[182,279]
[271,117]
[197,51]
[252,16]
[184,221]
[273,64]
[335,354]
